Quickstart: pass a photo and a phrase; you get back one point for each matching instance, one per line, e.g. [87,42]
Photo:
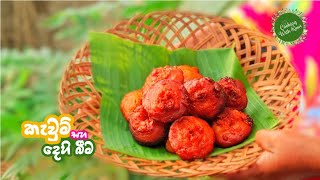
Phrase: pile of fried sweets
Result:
[189,113]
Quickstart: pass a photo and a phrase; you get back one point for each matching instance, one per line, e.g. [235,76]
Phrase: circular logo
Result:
[289,27]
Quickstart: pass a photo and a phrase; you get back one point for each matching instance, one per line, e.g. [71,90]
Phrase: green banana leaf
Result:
[120,66]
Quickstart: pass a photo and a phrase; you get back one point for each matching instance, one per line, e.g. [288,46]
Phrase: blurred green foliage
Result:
[29,88]
[29,85]
[149,6]
[75,23]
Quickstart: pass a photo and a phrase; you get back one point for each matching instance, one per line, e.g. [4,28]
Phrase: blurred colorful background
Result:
[38,38]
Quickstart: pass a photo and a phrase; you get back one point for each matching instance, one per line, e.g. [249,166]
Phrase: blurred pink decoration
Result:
[305,56]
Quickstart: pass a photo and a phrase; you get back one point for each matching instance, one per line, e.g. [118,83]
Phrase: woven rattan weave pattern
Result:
[269,73]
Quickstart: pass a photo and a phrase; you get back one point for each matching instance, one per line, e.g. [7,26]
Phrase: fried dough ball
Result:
[235,93]
[191,138]
[145,130]
[130,102]
[165,101]
[161,73]
[190,73]
[169,147]
[232,127]
[206,97]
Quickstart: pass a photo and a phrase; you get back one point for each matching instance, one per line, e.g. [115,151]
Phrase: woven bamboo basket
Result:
[270,74]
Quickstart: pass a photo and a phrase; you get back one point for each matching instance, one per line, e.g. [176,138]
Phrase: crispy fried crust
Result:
[206,97]
[130,102]
[232,127]
[169,147]
[165,101]
[191,138]
[144,130]
[235,93]
[162,73]
[190,73]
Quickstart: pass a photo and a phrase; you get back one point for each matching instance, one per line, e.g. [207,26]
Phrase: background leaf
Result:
[121,66]
[149,6]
